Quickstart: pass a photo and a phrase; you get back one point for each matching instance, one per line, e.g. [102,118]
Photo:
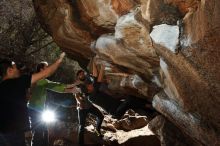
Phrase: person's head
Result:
[8,69]
[41,66]
[80,74]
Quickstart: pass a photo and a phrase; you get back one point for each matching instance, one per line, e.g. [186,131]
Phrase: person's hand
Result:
[78,90]
[75,90]
[62,55]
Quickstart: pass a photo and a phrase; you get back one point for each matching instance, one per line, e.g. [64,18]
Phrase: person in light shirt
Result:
[36,106]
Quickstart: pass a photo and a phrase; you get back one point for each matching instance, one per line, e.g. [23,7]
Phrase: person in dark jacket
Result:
[13,108]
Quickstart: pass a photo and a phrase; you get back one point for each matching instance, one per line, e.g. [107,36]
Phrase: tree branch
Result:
[39,48]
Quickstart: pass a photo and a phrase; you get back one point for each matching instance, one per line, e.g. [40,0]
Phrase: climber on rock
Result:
[85,88]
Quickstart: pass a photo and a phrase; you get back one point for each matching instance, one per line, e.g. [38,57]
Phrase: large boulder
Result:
[170,44]
[169,134]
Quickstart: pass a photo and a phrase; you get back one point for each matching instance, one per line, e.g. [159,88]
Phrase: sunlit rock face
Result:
[123,6]
[98,16]
[166,36]
[170,44]
[130,47]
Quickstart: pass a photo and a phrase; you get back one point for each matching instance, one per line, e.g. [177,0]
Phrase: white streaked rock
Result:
[166,35]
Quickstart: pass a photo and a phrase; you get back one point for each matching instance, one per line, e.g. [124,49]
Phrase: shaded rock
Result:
[168,84]
[131,85]
[129,113]
[169,134]
[91,138]
[62,142]
[59,16]
[131,122]
[160,11]
[143,141]
[114,136]
[63,130]
[191,77]
[190,123]
[110,127]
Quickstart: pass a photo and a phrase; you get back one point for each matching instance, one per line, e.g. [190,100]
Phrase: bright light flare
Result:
[48,116]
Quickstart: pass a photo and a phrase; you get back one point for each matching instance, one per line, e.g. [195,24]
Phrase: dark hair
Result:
[41,65]
[4,65]
[79,71]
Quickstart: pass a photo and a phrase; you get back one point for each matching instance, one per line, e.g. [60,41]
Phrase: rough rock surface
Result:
[169,134]
[183,60]
[131,130]
[131,121]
